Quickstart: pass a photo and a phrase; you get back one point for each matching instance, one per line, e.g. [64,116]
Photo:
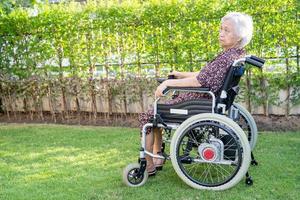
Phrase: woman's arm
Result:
[190,74]
[186,82]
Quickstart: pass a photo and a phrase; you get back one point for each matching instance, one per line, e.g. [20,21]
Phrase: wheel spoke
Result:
[209,173]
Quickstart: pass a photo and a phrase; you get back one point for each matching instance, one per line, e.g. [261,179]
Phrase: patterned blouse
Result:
[211,76]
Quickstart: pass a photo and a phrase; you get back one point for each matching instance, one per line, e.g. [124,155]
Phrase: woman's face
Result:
[227,36]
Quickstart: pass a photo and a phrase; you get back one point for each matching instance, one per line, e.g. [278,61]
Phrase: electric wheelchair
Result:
[213,139]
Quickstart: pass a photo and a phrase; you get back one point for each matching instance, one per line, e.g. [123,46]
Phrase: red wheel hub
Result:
[208,154]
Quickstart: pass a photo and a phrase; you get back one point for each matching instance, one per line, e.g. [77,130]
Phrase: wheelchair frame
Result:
[171,126]
[219,107]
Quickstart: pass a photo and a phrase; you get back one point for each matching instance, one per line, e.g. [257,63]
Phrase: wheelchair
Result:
[211,139]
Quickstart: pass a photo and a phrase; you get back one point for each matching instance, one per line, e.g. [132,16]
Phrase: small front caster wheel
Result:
[131,177]
[249,181]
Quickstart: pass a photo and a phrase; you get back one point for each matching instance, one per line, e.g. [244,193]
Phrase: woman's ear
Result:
[239,42]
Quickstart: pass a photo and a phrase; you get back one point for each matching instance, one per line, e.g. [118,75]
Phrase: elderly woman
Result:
[235,33]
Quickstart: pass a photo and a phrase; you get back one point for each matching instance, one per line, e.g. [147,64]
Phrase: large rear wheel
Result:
[247,123]
[210,151]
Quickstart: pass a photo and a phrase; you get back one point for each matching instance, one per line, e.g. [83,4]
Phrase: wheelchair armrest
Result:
[192,89]
[160,80]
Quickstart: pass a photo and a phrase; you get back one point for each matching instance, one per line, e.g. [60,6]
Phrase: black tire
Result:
[130,178]
[248,124]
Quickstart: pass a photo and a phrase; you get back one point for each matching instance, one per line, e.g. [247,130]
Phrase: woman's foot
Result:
[151,172]
[158,162]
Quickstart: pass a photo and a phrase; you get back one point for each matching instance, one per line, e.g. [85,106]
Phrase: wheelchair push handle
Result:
[254,62]
[250,59]
[171,76]
[262,61]
[160,80]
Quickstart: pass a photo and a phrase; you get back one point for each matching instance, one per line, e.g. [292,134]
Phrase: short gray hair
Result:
[243,25]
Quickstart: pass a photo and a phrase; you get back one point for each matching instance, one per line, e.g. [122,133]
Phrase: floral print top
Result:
[213,74]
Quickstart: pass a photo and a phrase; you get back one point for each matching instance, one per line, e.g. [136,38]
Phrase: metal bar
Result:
[143,140]
[224,162]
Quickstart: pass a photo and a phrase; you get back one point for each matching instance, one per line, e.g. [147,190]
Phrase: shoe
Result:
[158,163]
[152,173]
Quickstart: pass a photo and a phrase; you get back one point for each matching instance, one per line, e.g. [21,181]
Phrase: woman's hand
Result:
[176,74]
[160,89]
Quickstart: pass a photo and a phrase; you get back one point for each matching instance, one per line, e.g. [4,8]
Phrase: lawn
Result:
[80,162]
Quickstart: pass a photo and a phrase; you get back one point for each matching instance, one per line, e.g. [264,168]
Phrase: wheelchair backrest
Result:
[230,88]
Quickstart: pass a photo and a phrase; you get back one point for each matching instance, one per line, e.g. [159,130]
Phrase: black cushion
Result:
[177,113]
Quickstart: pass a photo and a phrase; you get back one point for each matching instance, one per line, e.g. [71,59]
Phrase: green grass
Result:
[74,162]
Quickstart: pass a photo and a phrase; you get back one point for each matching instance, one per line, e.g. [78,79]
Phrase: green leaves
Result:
[133,39]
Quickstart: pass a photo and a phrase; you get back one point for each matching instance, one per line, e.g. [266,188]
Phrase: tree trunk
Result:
[65,114]
[89,39]
[1,102]
[94,104]
[108,89]
[51,107]
[298,60]
[121,64]
[1,105]
[11,105]
[7,108]
[191,60]
[39,101]
[264,93]
[77,104]
[287,110]
[139,85]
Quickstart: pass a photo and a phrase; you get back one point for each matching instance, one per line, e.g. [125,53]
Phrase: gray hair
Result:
[243,25]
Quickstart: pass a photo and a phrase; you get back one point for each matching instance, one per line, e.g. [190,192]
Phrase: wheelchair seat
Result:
[179,112]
